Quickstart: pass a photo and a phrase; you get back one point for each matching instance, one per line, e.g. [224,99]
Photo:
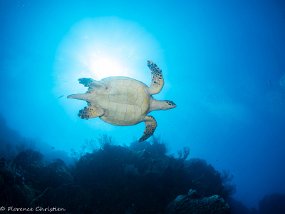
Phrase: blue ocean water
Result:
[223,64]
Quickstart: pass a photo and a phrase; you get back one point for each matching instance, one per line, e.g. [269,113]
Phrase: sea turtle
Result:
[124,101]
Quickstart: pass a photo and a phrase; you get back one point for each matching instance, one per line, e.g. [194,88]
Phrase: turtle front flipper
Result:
[90,112]
[150,126]
[157,81]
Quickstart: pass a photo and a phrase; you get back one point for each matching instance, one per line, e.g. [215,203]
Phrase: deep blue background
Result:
[224,61]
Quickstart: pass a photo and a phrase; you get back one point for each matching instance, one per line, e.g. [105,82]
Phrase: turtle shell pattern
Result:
[125,101]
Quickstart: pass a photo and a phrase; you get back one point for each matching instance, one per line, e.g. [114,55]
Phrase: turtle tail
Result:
[78,96]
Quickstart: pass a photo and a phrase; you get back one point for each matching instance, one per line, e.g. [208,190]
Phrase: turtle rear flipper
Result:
[85,81]
[90,83]
[157,81]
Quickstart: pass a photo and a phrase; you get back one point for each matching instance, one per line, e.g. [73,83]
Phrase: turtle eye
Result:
[171,103]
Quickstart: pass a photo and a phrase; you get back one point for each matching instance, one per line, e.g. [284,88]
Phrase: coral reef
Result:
[238,207]
[195,204]
[273,203]
[139,178]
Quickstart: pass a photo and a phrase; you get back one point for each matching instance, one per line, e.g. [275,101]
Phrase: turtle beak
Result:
[171,104]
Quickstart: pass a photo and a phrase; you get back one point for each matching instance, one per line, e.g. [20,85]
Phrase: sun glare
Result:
[101,66]
[103,47]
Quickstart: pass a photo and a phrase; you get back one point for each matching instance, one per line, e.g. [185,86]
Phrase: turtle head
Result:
[161,105]
[169,104]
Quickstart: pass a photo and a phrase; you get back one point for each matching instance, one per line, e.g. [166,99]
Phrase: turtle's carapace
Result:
[123,100]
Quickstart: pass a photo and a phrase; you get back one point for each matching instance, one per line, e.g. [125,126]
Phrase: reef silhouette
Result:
[139,178]
[136,179]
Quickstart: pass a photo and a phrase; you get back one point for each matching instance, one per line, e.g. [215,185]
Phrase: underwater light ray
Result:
[102,47]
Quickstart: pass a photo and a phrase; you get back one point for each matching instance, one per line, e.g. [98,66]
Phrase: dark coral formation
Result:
[140,178]
[194,203]
[273,203]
